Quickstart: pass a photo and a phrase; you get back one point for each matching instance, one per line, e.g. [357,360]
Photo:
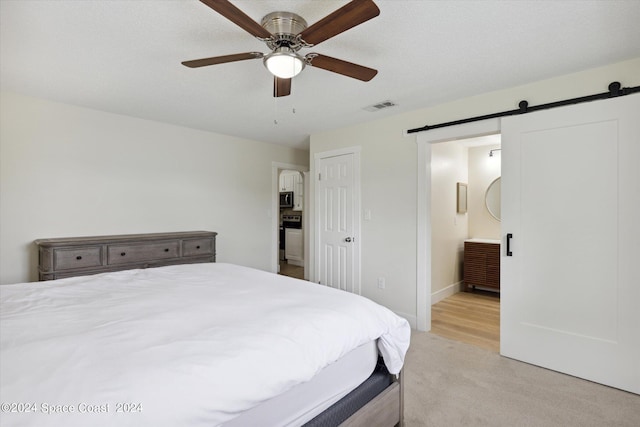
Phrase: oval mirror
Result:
[492,198]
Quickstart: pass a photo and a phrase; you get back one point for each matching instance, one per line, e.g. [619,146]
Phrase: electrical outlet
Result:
[381,283]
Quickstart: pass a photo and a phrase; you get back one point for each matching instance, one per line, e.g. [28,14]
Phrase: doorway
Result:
[424,142]
[289,219]
[457,217]
[291,232]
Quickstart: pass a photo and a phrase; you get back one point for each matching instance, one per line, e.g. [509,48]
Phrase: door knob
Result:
[348,240]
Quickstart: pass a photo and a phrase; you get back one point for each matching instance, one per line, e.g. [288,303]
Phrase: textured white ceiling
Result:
[123,56]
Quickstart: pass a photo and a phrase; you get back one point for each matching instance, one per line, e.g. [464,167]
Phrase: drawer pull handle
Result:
[166,250]
[198,247]
[79,257]
[123,253]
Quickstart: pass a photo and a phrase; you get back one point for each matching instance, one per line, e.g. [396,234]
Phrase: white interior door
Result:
[338,222]
[570,292]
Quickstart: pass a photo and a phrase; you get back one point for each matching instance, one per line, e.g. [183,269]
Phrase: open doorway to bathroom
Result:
[465,240]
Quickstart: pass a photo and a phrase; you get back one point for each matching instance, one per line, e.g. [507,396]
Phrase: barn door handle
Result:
[509,236]
[348,240]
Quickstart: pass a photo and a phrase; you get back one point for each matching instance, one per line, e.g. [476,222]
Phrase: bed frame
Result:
[82,256]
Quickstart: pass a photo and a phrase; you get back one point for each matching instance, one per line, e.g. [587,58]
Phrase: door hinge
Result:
[319,177]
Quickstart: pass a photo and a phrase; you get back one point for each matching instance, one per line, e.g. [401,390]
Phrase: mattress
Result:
[188,345]
[378,384]
[305,401]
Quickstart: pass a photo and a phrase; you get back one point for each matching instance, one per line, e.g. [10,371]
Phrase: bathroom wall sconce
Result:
[491,151]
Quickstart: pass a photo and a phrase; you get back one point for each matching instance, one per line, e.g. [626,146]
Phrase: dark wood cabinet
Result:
[481,264]
[81,256]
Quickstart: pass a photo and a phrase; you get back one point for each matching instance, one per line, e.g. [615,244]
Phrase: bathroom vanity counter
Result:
[482,264]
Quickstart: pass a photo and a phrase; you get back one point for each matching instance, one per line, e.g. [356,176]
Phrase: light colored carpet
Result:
[448,384]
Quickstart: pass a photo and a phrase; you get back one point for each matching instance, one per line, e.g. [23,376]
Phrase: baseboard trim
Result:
[445,292]
[412,319]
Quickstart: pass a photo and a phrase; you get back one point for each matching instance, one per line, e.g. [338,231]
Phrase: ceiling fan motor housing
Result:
[285,27]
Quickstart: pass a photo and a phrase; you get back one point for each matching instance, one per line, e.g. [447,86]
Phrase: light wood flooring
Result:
[291,270]
[469,317]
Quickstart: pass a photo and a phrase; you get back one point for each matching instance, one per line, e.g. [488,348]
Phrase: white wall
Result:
[482,171]
[389,171]
[449,165]
[71,171]
[388,190]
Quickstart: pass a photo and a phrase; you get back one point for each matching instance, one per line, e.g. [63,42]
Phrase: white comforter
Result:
[188,345]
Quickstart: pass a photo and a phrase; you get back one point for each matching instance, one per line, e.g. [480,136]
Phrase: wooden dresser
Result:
[81,256]
[481,264]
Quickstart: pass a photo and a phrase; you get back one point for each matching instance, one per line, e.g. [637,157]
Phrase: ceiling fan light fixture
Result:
[284,63]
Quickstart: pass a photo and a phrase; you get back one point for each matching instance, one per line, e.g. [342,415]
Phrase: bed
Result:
[165,336]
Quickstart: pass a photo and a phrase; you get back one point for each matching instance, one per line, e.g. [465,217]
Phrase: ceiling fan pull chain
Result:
[275,105]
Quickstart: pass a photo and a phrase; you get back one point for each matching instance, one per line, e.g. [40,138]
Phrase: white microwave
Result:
[286,199]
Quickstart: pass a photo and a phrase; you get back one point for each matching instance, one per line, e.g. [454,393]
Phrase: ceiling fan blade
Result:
[195,63]
[238,17]
[339,66]
[281,87]
[348,16]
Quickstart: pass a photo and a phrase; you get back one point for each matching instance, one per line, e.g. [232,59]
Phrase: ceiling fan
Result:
[285,33]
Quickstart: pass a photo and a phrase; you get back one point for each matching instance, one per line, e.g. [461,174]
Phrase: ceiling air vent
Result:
[380,105]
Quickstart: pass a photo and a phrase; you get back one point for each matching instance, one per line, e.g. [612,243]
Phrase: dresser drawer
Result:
[69,258]
[80,256]
[127,254]
[195,247]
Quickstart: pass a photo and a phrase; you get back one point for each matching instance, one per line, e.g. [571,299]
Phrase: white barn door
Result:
[338,221]
[571,201]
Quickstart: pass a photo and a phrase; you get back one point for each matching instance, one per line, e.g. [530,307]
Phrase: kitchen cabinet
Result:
[482,264]
[294,247]
[288,180]
[293,181]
